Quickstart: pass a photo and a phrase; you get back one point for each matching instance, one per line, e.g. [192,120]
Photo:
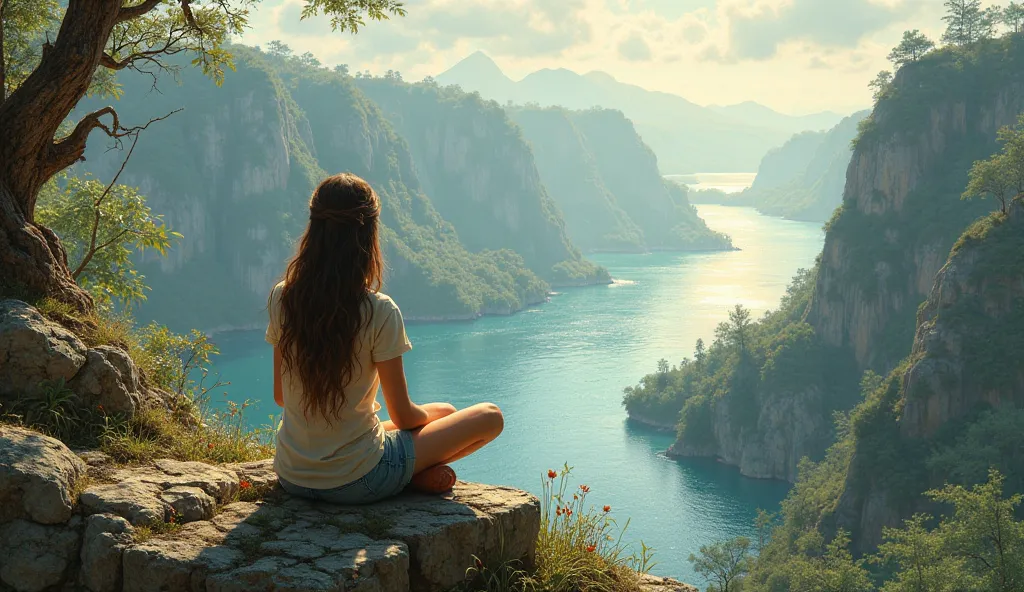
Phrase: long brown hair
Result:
[326,286]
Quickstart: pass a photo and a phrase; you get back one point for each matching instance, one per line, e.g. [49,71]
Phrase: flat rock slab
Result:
[649,583]
[412,542]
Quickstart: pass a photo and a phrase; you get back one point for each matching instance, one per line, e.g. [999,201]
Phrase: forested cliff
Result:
[606,181]
[762,396]
[246,164]
[801,180]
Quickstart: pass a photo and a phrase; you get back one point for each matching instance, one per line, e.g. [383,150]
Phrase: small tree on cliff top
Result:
[914,45]
[1002,175]
[51,57]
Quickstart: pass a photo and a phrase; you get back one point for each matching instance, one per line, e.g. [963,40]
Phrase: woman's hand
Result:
[436,411]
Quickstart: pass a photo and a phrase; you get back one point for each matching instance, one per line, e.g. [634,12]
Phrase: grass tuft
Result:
[579,548]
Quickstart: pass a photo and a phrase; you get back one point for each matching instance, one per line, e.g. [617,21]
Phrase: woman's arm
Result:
[278,396]
[405,414]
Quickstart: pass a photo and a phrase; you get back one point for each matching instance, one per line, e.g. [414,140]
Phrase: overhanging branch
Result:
[128,13]
[72,148]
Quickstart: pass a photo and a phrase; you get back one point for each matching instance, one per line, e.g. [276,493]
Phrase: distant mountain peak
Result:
[476,64]
[600,76]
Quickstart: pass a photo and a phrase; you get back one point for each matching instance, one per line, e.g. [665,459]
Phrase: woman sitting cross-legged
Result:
[336,338]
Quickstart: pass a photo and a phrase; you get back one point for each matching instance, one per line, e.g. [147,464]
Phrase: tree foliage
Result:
[967,22]
[880,85]
[102,228]
[1013,17]
[723,564]
[1002,175]
[914,45]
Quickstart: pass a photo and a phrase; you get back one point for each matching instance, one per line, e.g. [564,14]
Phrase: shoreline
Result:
[652,424]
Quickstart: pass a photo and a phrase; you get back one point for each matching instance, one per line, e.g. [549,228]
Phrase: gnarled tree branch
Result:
[128,13]
[72,148]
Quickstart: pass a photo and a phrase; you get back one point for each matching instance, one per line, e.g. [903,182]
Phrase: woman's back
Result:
[315,452]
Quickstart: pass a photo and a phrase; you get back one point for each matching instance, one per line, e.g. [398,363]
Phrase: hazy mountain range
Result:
[686,137]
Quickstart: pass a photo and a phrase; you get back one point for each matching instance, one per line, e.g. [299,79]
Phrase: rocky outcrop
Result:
[973,316]
[190,526]
[39,477]
[34,351]
[789,428]
[649,583]
[37,355]
[39,532]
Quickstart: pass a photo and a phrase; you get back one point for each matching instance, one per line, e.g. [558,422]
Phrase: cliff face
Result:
[481,176]
[231,173]
[630,170]
[789,428]
[579,183]
[246,158]
[971,321]
[593,218]
[970,333]
[901,209]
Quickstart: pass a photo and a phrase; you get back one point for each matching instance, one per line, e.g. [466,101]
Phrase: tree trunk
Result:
[32,262]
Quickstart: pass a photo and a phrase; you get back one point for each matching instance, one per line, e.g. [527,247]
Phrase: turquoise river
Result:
[558,371]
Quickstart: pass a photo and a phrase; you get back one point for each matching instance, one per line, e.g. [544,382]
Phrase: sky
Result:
[796,56]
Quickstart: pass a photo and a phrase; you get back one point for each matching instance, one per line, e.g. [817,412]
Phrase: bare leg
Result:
[457,435]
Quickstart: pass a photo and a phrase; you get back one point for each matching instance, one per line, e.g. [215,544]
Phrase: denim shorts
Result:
[388,478]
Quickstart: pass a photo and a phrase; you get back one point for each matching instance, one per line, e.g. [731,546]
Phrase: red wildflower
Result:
[584,489]
[100,408]
[245,484]
[575,497]
[591,548]
[479,564]
[558,511]
[607,509]
[209,446]
[552,474]
[568,512]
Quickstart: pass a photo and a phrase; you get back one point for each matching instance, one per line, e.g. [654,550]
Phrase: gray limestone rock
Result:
[34,350]
[38,476]
[106,537]
[36,557]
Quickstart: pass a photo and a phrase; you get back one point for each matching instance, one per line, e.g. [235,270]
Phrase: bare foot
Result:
[436,479]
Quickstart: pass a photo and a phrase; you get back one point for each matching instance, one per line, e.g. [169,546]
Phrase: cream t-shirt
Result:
[314,453]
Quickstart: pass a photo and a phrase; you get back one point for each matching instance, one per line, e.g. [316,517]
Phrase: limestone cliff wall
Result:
[900,215]
[788,429]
